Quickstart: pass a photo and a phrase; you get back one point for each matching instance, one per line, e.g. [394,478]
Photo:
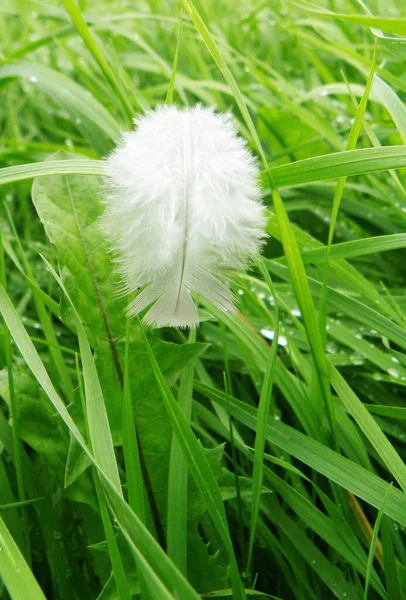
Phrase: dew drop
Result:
[393,373]
[269,335]
[32,78]
[277,415]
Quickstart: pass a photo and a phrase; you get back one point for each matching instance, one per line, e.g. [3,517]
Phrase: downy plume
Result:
[182,211]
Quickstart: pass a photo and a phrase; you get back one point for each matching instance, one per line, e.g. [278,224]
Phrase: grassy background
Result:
[163,464]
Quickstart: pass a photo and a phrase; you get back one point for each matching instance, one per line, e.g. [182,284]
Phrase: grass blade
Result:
[332,465]
[130,523]
[178,478]
[93,47]
[263,414]
[199,468]
[373,543]
[14,571]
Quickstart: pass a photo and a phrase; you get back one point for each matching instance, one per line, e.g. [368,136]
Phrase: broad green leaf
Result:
[70,209]
[37,426]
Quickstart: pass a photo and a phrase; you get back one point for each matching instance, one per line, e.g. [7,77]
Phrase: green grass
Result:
[138,463]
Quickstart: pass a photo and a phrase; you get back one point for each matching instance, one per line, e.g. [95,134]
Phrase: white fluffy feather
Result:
[182,210]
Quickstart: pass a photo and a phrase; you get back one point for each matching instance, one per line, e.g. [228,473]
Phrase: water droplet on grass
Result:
[32,78]
[269,335]
[393,373]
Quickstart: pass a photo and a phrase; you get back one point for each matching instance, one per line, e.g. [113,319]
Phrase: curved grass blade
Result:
[97,420]
[369,426]
[17,447]
[69,94]
[354,248]
[389,24]
[49,168]
[329,463]
[93,47]
[319,168]
[14,571]
[128,520]
[328,572]
[380,92]
[340,164]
